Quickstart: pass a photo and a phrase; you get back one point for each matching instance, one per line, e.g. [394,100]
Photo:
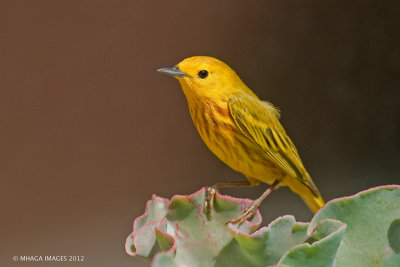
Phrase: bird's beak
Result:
[174,71]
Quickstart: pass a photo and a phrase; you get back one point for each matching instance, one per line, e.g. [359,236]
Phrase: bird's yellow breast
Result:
[222,136]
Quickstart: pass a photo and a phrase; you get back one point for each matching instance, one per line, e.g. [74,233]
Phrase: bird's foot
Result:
[247,214]
[209,200]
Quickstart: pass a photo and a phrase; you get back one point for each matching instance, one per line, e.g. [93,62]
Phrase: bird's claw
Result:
[209,201]
[247,214]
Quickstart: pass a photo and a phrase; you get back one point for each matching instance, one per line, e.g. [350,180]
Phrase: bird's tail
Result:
[313,202]
[309,194]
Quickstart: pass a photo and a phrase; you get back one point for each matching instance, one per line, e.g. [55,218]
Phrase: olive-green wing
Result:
[259,121]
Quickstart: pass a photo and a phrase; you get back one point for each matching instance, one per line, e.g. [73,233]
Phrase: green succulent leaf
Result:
[327,236]
[394,235]
[264,247]
[360,230]
[143,242]
[164,260]
[197,239]
[181,234]
[372,234]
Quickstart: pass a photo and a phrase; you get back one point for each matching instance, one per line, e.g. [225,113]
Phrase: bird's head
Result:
[202,76]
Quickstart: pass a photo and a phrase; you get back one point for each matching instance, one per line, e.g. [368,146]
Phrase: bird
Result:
[242,131]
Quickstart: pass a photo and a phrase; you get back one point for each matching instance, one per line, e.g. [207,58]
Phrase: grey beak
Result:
[174,71]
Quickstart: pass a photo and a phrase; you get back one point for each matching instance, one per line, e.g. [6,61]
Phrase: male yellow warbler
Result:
[241,130]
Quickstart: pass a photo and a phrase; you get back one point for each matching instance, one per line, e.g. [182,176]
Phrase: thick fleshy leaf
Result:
[142,242]
[394,235]
[372,229]
[264,247]
[164,260]
[327,236]
[180,229]
[197,239]
[361,230]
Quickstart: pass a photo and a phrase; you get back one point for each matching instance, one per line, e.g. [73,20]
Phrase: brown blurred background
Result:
[90,130]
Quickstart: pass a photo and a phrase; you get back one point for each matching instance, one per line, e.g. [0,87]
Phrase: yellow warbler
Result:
[241,130]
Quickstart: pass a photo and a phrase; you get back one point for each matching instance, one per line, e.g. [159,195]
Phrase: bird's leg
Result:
[252,209]
[212,190]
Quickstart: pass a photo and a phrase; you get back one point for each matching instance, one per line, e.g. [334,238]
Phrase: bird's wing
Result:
[259,121]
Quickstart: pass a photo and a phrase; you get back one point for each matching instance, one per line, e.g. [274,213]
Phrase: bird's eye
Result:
[202,74]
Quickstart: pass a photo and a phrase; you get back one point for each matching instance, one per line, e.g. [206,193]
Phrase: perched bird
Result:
[243,131]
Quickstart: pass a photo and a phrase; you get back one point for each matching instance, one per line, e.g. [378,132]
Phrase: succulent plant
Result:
[360,230]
